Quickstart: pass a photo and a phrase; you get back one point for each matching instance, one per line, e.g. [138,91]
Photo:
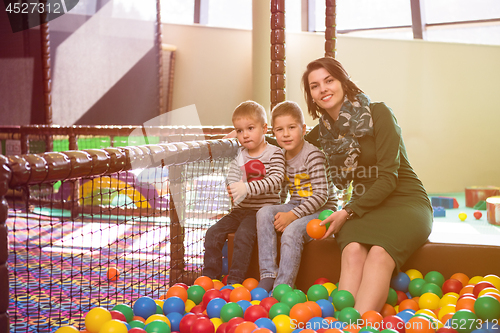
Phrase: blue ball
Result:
[174,304]
[244,304]
[214,307]
[491,326]
[175,319]
[327,309]
[258,294]
[144,307]
[317,323]
[266,323]
[400,282]
[227,287]
[406,315]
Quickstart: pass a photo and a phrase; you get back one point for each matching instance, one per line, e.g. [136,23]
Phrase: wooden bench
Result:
[322,259]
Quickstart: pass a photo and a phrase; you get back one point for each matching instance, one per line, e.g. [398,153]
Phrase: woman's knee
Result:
[354,253]
[379,255]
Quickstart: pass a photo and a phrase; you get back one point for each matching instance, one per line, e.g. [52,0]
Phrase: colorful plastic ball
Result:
[250,283]
[283,324]
[451,286]
[186,322]
[315,230]
[205,282]
[174,304]
[487,308]
[240,293]
[431,288]
[126,310]
[343,299]
[349,315]
[434,277]
[96,317]
[136,323]
[400,282]
[244,304]
[198,310]
[268,302]
[419,324]
[189,305]
[210,295]
[406,315]
[281,290]
[330,287]
[214,307]
[144,307]
[409,304]
[67,329]
[464,321]
[290,298]
[157,317]
[245,327]
[493,279]
[301,294]
[372,318]
[175,319]
[226,294]
[230,310]
[177,291]
[462,216]
[202,325]
[255,312]
[301,313]
[195,293]
[118,315]
[112,274]
[475,279]
[368,329]
[113,326]
[478,214]
[415,287]
[491,326]
[480,286]
[217,322]
[327,309]
[259,294]
[315,308]
[414,274]
[317,292]
[279,308]
[316,323]
[387,310]
[461,277]
[266,323]
[394,322]
[392,297]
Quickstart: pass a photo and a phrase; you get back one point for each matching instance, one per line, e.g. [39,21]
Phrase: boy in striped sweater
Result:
[310,192]
[254,181]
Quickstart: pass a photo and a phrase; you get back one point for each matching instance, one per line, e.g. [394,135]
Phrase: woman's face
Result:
[326,91]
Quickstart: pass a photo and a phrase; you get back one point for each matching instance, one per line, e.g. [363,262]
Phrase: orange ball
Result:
[245,327]
[352,328]
[250,283]
[301,313]
[240,293]
[139,318]
[333,330]
[387,310]
[371,318]
[112,274]
[461,277]
[468,289]
[409,304]
[205,282]
[218,284]
[466,303]
[315,230]
[420,324]
[177,291]
[315,308]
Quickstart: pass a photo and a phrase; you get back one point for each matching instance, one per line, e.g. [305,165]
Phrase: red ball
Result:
[224,280]
[222,328]
[394,322]
[480,286]
[233,322]
[445,329]
[268,302]
[202,325]
[254,312]
[452,286]
[321,280]
[186,322]
[118,315]
[197,309]
[401,296]
[478,214]
[226,294]
[210,295]
[183,285]
[136,330]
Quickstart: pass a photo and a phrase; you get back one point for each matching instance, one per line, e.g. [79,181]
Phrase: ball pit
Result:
[415,304]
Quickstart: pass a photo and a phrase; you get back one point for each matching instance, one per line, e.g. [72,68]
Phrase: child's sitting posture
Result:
[307,183]
[254,181]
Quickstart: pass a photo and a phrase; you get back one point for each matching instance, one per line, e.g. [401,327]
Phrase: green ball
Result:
[290,298]
[392,298]
[434,277]
[157,326]
[415,287]
[281,290]
[324,214]
[317,292]
[349,315]
[195,293]
[369,329]
[334,291]
[126,310]
[487,308]
[159,310]
[431,288]
[389,330]
[277,309]
[464,321]
[302,296]
[136,323]
[230,310]
[343,299]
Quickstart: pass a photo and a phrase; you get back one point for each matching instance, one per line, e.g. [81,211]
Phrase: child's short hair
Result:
[250,109]
[287,108]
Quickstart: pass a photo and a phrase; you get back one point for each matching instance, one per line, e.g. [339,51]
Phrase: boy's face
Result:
[289,132]
[250,132]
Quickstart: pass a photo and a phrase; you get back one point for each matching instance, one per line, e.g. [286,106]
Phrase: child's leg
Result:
[244,239]
[267,241]
[292,242]
[214,242]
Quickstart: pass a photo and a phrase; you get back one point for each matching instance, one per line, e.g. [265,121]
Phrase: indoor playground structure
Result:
[103,234]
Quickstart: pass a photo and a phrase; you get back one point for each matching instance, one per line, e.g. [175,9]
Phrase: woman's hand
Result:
[336,220]
[282,220]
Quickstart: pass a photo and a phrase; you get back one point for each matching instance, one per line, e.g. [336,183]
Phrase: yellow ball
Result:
[427,312]
[283,324]
[217,322]
[445,310]
[189,305]
[476,279]
[236,285]
[113,326]
[159,302]
[462,216]
[448,299]
[414,274]
[493,279]
[67,329]
[95,318]
[428,301]
[330,287]
[157,317]
[488,291]
[255,302]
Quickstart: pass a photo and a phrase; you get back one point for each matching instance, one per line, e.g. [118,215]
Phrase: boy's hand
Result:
[230,135]
[336,220]
[237,191]
[282,220]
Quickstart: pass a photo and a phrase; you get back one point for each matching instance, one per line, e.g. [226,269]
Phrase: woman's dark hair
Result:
[335,68]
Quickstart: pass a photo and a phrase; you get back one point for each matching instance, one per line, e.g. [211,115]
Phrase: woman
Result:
[389,215]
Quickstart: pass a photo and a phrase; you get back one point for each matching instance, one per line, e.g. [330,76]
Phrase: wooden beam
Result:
[418,19]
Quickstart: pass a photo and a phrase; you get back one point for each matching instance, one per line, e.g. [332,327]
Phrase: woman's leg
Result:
[376,279]
[351,270]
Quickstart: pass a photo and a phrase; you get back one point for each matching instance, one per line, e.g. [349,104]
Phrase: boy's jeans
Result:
[242,223]
[292,242]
